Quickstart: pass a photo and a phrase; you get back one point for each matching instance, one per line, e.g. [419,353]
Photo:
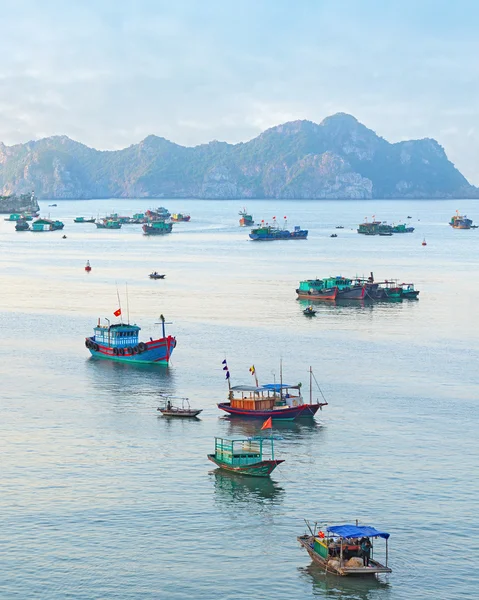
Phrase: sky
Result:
[110,72]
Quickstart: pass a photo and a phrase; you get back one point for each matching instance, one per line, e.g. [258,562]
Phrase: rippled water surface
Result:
[101,498]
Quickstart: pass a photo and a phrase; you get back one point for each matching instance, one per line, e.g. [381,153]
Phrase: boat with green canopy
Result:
[253,456]
[345,549]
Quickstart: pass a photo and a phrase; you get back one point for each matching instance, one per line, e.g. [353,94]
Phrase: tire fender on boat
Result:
[88,343]
[142,347]
[115,351]
[134,350]
[121,351]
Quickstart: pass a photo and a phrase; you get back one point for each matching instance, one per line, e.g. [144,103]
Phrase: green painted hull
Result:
[259,469]
[124,359]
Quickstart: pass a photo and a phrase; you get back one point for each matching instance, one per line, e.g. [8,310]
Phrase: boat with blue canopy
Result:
[345,549]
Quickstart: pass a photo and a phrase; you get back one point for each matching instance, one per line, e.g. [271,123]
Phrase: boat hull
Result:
[260,469]
[182,413]
[286,414]
[374,569]
[355,293]
[327,294]
[156,352]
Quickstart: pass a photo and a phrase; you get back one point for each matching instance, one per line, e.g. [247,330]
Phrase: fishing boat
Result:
[157,228]
[309,311]
[46,225]
[52,205]
[314,289]
[276,400]
[408,291]
[156,275]
[339,227]
[22,225]
[160,213]
[246,456]
[348,289]
[392,289]
[119,342]
[246,219]
[108,224]
[267,233]
[374,228]
[345,549]
[180,218]
[18,217]
[87,266]
[334,235]
[402,228]
[460,221]
[170,409]
[83,220]
[424,243]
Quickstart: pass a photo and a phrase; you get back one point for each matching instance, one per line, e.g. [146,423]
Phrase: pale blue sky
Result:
[110,72]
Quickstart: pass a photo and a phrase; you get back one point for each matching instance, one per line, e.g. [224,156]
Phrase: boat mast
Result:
[310,385]
[119,305]
[281,379]
[128,304]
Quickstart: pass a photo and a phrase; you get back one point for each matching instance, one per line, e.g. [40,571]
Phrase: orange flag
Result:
[117,313]
[268,424]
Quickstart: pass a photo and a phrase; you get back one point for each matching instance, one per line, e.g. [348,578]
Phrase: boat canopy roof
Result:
[248,388]
[355,531]
[275,387]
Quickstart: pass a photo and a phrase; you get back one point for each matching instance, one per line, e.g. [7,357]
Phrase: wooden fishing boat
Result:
[345,550]
[408,291]
[156,275]
[245,456]
[275,400]
[170,409]
[309,311]
[83,220]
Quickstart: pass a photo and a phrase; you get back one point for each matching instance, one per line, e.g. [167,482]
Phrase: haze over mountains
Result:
[339,158]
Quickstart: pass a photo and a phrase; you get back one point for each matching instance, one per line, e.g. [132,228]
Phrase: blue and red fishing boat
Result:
[275,400]
[120,342]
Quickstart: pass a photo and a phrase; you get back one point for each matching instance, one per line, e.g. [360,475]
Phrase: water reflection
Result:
[364,304]
[121,378]
[233,488]
[358,588]
[302,428]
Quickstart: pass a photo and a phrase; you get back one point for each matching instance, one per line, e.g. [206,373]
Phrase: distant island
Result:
[339,158]
[18,204]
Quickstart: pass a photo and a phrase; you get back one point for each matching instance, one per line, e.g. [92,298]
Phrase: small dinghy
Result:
[87,266]
[309,311]
[156,275]
[169,409]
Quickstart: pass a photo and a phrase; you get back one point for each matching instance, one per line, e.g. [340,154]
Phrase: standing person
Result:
[366,551]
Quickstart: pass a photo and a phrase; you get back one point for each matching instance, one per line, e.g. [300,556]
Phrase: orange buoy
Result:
[87,266]
[424,242]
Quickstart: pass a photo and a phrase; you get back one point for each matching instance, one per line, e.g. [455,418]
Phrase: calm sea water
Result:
[101,498]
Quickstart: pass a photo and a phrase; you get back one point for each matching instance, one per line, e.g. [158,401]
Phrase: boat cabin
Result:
[240,452]
[265,397]
[117,336]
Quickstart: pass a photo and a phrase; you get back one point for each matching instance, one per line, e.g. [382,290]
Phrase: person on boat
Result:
[365,551]
[168,405]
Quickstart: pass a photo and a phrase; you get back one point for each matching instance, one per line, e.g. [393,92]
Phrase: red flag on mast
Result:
[268,424]
[117,313]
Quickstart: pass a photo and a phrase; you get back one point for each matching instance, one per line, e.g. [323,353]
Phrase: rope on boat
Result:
[320,390]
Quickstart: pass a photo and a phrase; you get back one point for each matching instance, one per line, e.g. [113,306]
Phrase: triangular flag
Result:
[224,362]
[268,424]
[225,368]
[227,374]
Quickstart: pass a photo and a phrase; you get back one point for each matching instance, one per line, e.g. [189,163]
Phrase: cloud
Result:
[108,73]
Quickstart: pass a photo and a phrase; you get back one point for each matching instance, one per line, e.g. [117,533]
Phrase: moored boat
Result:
[157,228]
[171,408]
[22,225]
[180,218]
[309,311]
[408,291]
[402,228]
[245,456]
[46,225]
[314,289]
[460,221]
[108,224]
[276,400]
[266,233]
[375,228]
[119,342]
[83,220]
[345,550]
[246,219]
[156,275]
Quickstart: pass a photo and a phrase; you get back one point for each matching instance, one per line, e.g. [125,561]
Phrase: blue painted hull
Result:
[287,414]
[156,352]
